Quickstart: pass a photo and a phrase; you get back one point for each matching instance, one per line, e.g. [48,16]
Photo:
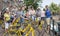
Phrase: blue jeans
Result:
[12,18]
[33,18]
[21,20]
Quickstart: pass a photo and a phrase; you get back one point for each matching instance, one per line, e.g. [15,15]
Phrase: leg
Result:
[48,21]
[6,27]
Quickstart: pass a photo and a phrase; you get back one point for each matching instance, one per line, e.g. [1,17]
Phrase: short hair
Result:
[46,6]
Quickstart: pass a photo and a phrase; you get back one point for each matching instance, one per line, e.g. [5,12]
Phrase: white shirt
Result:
[32,12]
[43,14]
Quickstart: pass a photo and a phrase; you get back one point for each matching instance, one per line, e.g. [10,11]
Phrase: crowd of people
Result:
[12,12]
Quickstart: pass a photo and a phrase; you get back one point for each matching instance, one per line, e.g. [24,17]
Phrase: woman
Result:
[32,13]
[43,21]
[7,19]
[43,15]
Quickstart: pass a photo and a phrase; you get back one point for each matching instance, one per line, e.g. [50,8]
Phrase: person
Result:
[48,17]
[13,17]
[38,12]
[32,13]
[7,19]
[0,14]
[43,18]
[43,15]
[20,13]
[14,9]
[48,14]
[22,16]
[1,18]
[27,14]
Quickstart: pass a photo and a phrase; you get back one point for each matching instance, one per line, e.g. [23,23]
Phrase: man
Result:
[38,12]
[48,15]
[20,14]
[38,15]
[14,9]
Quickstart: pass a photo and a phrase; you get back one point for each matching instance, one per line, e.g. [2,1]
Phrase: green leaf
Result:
[32,3]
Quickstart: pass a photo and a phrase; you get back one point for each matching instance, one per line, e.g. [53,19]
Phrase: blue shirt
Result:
[48,13]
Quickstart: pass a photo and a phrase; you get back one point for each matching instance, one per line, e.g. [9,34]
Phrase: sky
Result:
[48,2]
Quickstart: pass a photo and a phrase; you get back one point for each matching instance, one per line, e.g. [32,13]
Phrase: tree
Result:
[54,8]
[32,3]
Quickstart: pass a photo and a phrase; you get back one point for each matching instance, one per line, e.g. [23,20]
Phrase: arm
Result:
[21,16]
[14,19]
[4,19]
[0,13]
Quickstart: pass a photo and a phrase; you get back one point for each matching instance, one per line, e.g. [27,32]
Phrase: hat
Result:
[7,8]
[38,8]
